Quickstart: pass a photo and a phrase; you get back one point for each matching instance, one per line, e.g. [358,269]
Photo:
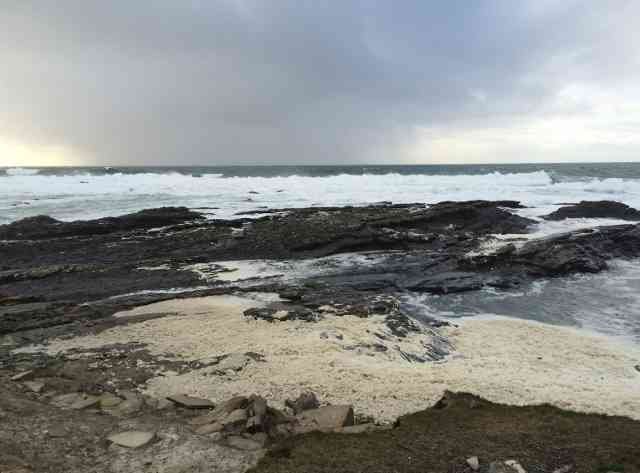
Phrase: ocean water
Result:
[83,193]
[608,303]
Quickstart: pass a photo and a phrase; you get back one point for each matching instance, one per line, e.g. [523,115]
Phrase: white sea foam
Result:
[22,171]
[67,197]
[504,360]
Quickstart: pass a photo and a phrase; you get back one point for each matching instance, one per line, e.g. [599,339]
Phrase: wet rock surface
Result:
[70,277]
[596,209]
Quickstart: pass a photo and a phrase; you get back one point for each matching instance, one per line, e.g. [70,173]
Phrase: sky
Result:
[165,82]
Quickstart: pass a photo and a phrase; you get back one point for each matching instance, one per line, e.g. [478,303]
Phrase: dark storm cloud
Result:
[241,81]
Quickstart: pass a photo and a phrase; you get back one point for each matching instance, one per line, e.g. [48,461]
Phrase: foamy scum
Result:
[67,197]
[509,361]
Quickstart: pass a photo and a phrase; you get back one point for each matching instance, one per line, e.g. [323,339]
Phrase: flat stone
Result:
[325,419]
[65,400]
[239,416]
[474,463]
[35,386]
[234,362]
[131,404]
[191,402]
[108,400]
[132,438]
[85,402]
[242,443]
[221,411]
[21,376]
[209,428]
[203,419]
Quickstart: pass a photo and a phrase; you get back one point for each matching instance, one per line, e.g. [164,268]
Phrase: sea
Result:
[606,303]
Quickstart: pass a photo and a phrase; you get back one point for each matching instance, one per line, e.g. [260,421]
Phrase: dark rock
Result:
[581,251]
[305,401]
[191,402]
[44,227]
[596,209]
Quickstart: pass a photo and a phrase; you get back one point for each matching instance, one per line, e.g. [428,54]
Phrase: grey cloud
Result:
[243,81]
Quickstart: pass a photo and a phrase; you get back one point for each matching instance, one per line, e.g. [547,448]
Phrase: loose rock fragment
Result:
[515,466]
[324,419]
[234,362]
[191,402]
[132,438]
[209,428]
[85,402]
[21,376]
[108,400]
[35,386]
[305,401]
[474,463]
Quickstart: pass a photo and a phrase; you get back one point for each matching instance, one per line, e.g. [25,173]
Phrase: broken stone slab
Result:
[35,386]
[474,463]
[221,411]
[209,428]
[304,402]
[132,438]
[85,402]
[242,443]
[234,362]
[235,418]
[22,376]
[324,419]
[191,402]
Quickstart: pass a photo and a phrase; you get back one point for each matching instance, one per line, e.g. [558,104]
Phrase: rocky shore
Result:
[158,341]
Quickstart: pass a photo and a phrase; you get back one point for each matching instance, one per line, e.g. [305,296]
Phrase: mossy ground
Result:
[438,440]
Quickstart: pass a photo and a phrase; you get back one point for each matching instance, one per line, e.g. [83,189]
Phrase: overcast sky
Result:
[277,82]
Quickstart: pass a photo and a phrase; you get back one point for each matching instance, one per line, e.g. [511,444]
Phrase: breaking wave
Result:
[26,192]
